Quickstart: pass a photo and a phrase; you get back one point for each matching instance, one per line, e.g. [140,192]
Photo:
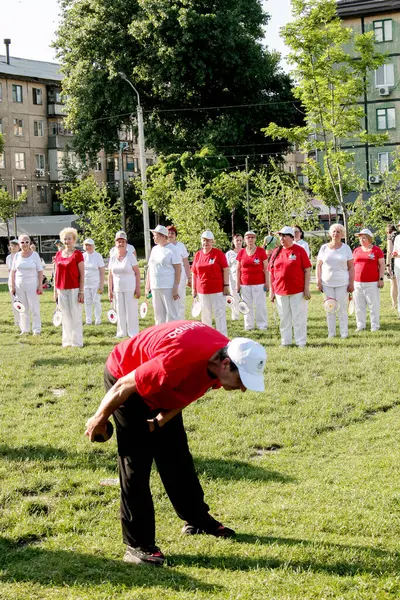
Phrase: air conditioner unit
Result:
[384,91]
[374,178]
[39,172]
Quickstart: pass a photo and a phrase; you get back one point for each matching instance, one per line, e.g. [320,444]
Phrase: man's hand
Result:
[95,426]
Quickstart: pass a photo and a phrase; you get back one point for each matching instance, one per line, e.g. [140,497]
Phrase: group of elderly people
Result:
[245,274]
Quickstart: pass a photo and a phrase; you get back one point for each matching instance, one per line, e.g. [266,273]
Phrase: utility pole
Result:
[247,193]
[121,184]
[142,162]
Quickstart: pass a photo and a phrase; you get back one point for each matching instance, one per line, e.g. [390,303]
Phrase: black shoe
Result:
[215,528]
[144,556]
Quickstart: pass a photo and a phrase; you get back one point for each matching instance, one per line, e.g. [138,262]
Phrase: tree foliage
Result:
[330,82]
[182,57]
[9,206]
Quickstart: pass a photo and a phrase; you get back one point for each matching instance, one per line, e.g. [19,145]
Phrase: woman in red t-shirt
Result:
[210,280]
[68,289]
[369,269]
[252,281]
[289,269]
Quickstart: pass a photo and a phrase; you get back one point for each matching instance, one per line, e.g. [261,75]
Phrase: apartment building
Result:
[382,96]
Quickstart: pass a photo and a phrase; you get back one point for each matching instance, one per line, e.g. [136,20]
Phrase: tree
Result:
[192,210]
[330,83]
[9,207]
[278,200]
[203,74]
[230,188]
[1,143]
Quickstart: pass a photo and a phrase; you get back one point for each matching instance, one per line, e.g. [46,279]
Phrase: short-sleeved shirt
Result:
[287,268]
[161,266]
[180,246]
[208,269]
[252,267]
[366,265]
[396,248]
[124,277]
[67,271]
[26,269]
[9,262]
[93,262]
[304,245]
[170,362]
[335,271]
[231,256]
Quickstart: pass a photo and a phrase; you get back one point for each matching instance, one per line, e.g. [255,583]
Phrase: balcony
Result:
[55,109]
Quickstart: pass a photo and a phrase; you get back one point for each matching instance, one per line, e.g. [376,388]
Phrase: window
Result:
[20,160]
[38,128]
[384,75]
[383,161]
[1,126]
[149,162]
[386,118]
[39,159]
[21,188]
[18,127]
[99,166]
[17,93]
[37,94]
[383,30]
[2,160]
[42,193]
[130,165]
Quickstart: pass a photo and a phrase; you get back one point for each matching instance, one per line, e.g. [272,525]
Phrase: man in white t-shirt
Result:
[94,281]
[163,277]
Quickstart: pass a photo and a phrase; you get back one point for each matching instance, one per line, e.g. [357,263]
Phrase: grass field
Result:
[307,473]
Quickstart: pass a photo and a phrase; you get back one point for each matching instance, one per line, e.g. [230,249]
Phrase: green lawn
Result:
[307,473]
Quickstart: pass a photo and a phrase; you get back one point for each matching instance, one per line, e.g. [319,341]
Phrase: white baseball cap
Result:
[286,230]
[160,229]
[121,235]
[16,242]
[88,242]
[250,358]
[365,232]
[208,235]
[249,233]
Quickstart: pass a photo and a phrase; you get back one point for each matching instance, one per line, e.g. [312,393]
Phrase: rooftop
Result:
[363,8]
[36,69]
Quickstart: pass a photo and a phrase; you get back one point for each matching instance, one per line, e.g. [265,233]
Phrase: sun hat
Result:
[249,233]
[89,242]
[121,235]
[16,242]
[207,235]
[160,229]
[365,232]
[250,358]
[286,230]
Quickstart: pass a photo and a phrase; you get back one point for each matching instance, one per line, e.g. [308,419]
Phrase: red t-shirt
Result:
[251,267]
[208,270]
[366,267]
[288,270]
[170,362]
[67,272]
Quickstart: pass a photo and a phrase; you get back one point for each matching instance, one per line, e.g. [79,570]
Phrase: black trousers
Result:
[168,447]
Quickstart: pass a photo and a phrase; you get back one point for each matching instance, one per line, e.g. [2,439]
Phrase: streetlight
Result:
[142,159]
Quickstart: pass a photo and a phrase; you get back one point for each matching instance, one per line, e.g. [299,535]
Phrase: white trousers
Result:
[72,328]
[236,297]
[92,301]
[15,312]
[126,307]
[255,298]
[26,293]
[367,295]
[292,312]
[214,303]
[340,294]
[166,309]
[182,301]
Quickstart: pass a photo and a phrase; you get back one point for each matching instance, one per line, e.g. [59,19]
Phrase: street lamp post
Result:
[142,159]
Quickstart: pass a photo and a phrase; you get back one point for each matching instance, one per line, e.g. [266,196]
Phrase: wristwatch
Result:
[381,279]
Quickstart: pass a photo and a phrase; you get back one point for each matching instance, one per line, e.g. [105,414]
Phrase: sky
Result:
[31,27]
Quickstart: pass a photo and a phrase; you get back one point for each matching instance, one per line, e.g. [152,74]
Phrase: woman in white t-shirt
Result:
[186,278]
[26,282]
[14,248]
[124,287]
[231,255]
[299,239]
[94,282]
[163,277]
[335,277]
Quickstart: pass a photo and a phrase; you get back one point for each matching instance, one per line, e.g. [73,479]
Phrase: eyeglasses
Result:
[24,242]
[283,234]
